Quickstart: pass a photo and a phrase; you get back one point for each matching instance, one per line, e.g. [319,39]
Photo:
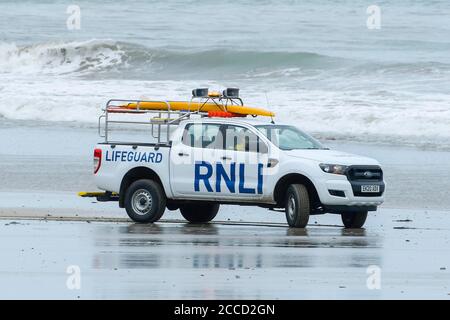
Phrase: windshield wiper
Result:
[290,149]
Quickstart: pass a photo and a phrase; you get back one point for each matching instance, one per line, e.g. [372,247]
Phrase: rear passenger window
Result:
[201,135]
[241,139]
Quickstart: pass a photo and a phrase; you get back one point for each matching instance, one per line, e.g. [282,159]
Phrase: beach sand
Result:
[45,228]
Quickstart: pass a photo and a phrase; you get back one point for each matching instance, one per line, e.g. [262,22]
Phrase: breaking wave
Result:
[332,97]
[132,61]
[61,58]
[106,55]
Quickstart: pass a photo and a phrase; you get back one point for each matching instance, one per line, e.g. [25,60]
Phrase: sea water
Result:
[322,65]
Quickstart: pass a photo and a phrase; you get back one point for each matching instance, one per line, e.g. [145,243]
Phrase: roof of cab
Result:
[246,120]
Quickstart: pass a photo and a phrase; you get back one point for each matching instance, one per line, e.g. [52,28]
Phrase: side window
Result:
[203,135]
[241,139]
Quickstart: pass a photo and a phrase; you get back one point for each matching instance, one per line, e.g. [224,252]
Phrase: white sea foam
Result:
[60,57]
[331,115]
[330,97]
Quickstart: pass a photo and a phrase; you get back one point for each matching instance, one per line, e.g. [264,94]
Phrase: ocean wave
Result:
[81,57]
[60,57]
[124,60]
[421,120]
[329,96]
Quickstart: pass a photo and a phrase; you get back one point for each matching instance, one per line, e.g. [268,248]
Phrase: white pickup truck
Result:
[208,161]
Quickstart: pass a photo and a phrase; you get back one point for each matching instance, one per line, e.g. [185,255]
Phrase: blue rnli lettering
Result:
[242,188]
[203,176]
[228,175]
[133,156]
[260,178]
[229,180]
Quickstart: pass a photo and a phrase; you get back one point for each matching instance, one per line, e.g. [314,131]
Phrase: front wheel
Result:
[297,206]
[199,212]
[145,201]
[354,219]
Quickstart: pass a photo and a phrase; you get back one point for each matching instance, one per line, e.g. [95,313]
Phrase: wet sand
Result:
[246,253]
[227,259]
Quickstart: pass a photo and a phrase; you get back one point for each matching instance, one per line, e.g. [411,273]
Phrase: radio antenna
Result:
[267,99]
[267,105]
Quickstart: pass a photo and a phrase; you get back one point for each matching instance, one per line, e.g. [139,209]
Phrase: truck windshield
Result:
[289,137]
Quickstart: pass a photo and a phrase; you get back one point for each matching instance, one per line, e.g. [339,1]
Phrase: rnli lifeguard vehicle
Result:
[195,155]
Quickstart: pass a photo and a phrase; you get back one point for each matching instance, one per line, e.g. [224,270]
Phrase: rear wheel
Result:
[145,201]
[354,219]
[297,206]
[199,212]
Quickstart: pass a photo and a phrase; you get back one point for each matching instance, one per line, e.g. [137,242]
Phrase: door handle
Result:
[226,158]
[182,154]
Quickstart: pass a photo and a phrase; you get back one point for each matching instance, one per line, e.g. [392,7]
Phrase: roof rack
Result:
[166,116]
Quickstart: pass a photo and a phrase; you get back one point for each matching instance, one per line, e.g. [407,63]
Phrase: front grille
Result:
[365,173]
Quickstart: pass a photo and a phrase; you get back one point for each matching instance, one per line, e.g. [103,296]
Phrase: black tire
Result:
[145,201]
[354,220]
[297,206]
[199,212]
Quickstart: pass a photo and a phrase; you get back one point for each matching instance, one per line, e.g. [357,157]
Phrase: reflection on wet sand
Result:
[217,246]
[227,260]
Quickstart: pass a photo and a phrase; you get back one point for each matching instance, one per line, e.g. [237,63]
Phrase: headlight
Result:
[333,168]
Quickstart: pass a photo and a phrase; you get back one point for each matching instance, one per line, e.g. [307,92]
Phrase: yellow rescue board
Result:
[194,106]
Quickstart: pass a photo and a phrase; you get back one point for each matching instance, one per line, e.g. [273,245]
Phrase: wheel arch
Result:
[134,174]
[285,181]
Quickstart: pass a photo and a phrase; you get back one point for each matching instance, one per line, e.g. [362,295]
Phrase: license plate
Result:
[370,188]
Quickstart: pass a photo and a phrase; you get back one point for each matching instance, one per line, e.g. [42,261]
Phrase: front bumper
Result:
[349,194]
